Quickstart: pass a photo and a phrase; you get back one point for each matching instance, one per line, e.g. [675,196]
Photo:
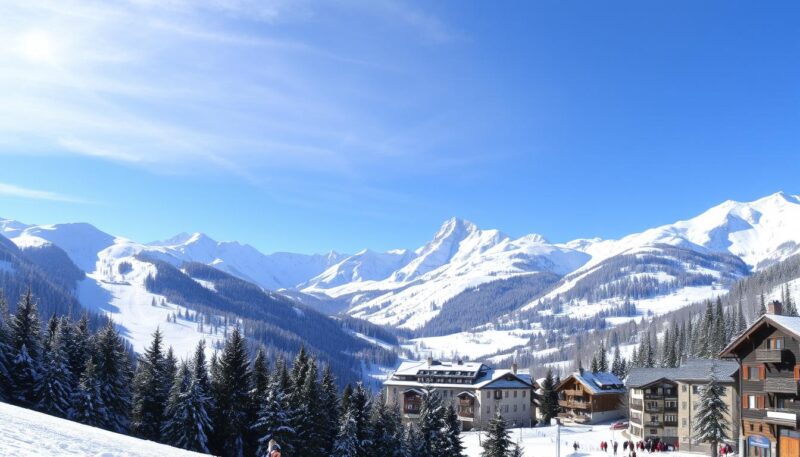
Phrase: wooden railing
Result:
[573,404]
[781,385]
[769,355]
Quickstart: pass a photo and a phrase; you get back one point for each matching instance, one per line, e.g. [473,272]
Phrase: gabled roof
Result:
[789,324]
[598,383]
[695,370]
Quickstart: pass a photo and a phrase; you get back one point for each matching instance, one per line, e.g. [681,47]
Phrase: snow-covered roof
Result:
[790,324]
[599,383]
[482,375]
[696,370]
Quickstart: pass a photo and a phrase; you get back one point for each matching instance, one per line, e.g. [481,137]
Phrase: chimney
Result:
[430,360]
[514,367]
[775,307]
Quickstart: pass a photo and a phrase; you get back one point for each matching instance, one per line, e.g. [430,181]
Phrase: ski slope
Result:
[26,433]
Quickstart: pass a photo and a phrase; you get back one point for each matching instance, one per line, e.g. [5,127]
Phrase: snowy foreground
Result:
[541,442]
[26,433]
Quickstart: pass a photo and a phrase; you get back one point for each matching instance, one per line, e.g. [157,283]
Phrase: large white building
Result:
[477,391]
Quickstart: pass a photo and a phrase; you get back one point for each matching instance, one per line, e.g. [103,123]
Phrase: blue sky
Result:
[309,126]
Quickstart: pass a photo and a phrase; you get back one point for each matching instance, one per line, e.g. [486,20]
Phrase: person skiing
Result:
[614,445]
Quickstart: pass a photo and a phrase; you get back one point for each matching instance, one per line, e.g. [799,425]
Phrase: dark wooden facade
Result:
[580,404]
[769,378]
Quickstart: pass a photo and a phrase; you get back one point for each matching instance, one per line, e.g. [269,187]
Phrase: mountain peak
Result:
[453,225]
[182,239]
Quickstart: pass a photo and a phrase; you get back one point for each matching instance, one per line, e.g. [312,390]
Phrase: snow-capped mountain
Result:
[459,256]
[691,259]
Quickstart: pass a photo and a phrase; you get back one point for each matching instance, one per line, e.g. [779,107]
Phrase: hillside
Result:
[27,433]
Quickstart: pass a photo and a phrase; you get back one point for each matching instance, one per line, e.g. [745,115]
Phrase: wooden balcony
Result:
[573,404]
[657,409]
[785,417]
[769,355]
[781,385]
[653,396]
[573,392]
[653,424]
[467,412]
[757,414]
[752,386]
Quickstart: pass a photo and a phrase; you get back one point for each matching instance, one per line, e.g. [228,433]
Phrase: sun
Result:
[37,46]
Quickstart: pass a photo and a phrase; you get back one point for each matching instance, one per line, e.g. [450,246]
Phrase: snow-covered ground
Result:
[541,441]
[470,344]
[26,433]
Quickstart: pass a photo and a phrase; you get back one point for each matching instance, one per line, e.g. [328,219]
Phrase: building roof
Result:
[483,375]
[696,370]
[789,324]
[598,383]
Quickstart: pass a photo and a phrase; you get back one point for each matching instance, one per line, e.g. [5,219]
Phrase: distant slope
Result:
[27,433]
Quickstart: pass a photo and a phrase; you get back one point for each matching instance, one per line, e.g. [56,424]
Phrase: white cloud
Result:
[11,190]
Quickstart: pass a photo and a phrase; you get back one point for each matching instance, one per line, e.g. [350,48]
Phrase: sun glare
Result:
[37,46]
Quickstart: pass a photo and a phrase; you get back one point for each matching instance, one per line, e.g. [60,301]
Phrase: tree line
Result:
[230,405]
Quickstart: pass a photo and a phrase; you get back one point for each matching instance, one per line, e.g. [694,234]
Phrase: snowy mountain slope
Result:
[27,433]
[281,270]
[459,256]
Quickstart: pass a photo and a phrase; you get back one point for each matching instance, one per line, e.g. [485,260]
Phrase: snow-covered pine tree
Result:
[689,336]
[5,351]
[329,405]
[76,344]
[387,430]
[719,331]
[431,424]
[149,395]
[741,320]
[602,358]
[413,443]
[54,390]
[452,433]
[516,451]
[232,396]
[790,309]
[310,414]
[187,424]
[87,401]
[347,442]
[273,420]
[763,308]
[25,342]
[549,401]
[114,373]
[705,337]
[649,355]
[710,425]
[497,442]
[616,363]
[594,366]
[260,377]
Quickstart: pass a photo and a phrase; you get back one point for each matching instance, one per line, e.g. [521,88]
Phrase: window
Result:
[670,418]
[523,406]
[515,394]
[506,392]
[505,408]
[751,427]
[754,373]
[753,401]
[683,388]
[775,343]
[523,394]
[695,390]
[515,408]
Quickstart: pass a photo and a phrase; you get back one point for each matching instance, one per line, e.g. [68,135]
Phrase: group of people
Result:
[725,449]
[655,446]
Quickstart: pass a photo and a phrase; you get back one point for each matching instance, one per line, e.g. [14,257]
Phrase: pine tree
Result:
[114,374]
[763,308]
[705,333]
[187,423]
[690,340]
[87,401]
[273,420]
[549,400]
[25,342]
[602,358]
[413,442]
[789,307]
[452,431]
[5,353]
[720,340]
[517,451]
[260,377]
[387,430]
[149,394]
[78,342]
[54,390]
[710,424]
[648,356]
[741,320]
[594,366]
[232,396]
[616,364]
[347,441]
[431,421]
[329,405]
[497,442]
